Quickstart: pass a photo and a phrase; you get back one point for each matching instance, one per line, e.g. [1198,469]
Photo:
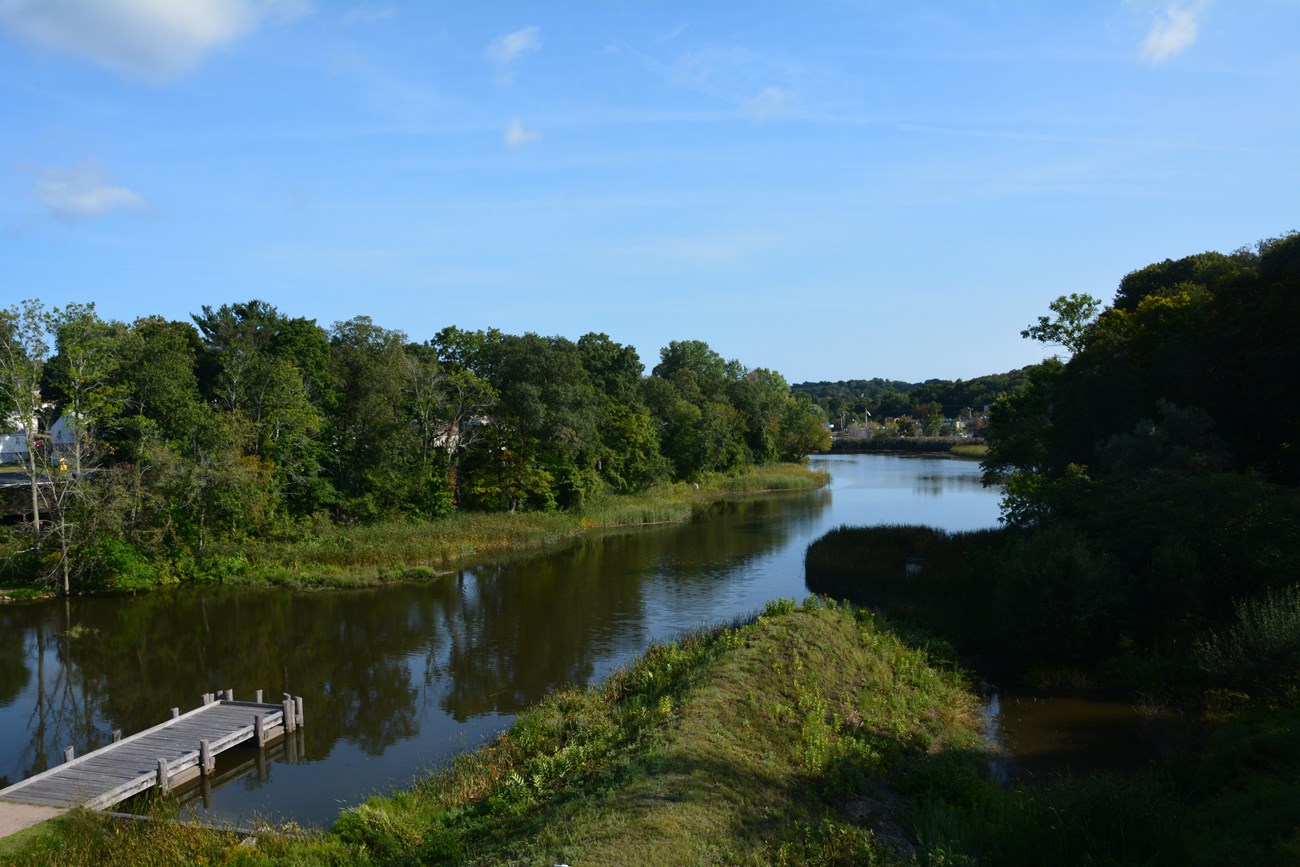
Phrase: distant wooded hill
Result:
[892,397]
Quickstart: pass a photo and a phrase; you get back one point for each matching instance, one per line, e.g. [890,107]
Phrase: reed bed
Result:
[404,550]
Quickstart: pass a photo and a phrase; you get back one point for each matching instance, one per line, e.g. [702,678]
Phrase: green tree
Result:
[1069,327]
[372,435]
[687,393]
[802,429]
[630,458]
[250,366]
[82,382]
[760,397]
[23,353]
[159,416]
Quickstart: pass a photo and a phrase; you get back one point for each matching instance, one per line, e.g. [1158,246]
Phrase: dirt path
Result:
[16,817]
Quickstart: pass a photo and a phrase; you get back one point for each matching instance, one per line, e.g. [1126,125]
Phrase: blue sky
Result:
[832,190]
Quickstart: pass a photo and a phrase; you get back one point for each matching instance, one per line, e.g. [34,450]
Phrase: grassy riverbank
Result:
[959,446]
[799,737]
[375,553]
[812,734]
[328,555]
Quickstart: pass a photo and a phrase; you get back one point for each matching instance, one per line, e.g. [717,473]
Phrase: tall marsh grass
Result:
[394,550]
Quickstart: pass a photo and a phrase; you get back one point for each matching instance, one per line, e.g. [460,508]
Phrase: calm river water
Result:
[397,680]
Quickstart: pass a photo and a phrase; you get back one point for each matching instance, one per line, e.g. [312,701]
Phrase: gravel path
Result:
[15,817]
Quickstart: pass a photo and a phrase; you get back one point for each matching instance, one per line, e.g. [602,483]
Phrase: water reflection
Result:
[1044,736]
[400,678]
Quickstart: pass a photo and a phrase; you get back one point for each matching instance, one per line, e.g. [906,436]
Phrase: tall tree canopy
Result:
[251,423]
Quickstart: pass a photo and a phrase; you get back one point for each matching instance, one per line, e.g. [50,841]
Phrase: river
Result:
[399,679]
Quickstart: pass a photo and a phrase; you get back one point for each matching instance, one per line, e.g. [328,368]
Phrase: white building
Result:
[13,444]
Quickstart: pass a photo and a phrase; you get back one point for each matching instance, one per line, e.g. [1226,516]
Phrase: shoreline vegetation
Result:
[148,446]
[793,737]
[819,733]
[1151,543]
[962,447]
[933,445]
[334,556]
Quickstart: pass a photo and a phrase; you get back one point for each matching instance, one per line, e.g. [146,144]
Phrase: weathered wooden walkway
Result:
[176,751]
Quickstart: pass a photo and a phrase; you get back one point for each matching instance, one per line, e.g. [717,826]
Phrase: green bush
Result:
[1059,599]
[1260,651]
[117,565]
[384,833]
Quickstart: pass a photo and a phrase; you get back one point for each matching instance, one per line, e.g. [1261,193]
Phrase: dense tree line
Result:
[1152,476]
[888,398]
[248,423]
[1152,497]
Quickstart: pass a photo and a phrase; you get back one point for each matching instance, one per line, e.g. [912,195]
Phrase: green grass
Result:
[811,734]
[976,450]
[35,837]
[745,746]
[758,743]
[405,550]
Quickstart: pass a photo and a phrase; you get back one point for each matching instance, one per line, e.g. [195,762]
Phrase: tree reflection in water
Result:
[392,678]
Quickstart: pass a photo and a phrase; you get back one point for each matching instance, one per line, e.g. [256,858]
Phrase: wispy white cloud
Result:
[771,103]
[1172,32]
[517,136]
[84,189]
[156,40]
[505,50]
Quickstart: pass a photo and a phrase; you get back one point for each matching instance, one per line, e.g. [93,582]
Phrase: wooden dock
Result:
[167,755]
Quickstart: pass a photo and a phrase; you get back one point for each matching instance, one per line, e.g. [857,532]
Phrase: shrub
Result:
[1260,651]
[118,565]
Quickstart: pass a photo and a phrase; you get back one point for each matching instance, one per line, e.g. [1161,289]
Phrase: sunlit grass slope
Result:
[793,738]
[780,741]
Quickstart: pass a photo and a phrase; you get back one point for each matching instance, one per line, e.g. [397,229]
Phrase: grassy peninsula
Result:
[801,736]
[810,734]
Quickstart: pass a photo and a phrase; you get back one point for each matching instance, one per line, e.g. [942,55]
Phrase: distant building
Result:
[13,447]
[13,444]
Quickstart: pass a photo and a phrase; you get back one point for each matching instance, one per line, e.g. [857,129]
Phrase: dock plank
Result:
[114,772]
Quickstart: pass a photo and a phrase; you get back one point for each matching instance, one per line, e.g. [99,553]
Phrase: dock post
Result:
[68,754]
[257,696]
[206,698]
[176,712]
[205,757]
[230,695]
[297,711]
[117,735]
[259,730]
[164,776]
[290,718]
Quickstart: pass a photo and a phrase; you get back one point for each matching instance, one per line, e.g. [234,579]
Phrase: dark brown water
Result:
[1044,736]
[399,679]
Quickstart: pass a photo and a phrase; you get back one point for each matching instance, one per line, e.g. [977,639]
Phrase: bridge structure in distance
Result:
[166,756]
